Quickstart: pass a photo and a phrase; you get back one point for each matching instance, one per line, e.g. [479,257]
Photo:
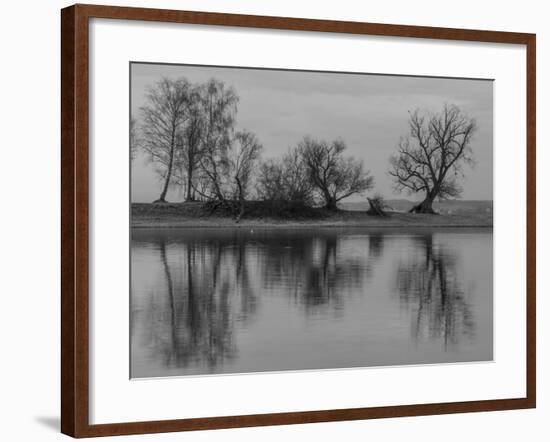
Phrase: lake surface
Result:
[207,301]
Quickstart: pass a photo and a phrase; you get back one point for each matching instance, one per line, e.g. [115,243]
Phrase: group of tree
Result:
[315,172]
[189,132]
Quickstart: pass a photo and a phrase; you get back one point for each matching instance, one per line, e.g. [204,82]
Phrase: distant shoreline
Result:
[191,215]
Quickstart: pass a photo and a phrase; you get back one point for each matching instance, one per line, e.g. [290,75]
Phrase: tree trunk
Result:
[162,197]
[218,192]
[331,204]
[189,196]
[425,206]
[376,207]
[216,184]
[241,199]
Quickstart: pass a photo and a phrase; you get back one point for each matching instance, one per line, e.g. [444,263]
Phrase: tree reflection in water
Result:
[312,269]
[212,283]
[429,286]
[199,309]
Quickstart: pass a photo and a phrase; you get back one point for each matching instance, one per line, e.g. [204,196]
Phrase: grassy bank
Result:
[259,214]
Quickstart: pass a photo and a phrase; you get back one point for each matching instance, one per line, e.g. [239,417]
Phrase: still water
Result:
[207,301]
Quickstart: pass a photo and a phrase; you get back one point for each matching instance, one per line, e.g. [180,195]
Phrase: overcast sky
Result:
[369,112]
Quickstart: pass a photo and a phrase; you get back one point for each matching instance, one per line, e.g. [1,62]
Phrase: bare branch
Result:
[333,176]
[165,112]
[437,145]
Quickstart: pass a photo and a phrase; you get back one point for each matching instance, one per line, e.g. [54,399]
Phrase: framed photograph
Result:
[273,220]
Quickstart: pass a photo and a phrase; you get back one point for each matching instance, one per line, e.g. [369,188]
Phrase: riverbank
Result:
[198,215]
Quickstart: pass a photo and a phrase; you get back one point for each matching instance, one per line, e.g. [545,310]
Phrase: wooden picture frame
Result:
[75,379]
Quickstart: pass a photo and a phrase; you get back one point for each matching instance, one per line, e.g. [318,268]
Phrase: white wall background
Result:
[29,217]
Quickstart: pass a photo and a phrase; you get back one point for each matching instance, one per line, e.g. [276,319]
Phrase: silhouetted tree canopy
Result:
[134,140]
[162,117]
[190,147]
[218,105]
[242,160]
[431,157]
[285,179]
[189,131]
[334,176]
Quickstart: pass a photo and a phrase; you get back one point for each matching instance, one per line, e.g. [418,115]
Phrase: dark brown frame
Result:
[74,220]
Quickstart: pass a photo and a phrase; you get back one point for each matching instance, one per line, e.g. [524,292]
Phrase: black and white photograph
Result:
[275,221]
[307,220]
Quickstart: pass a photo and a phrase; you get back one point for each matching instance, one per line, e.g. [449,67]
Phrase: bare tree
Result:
[134,143]
[270,180]
[189,147]
[431,157]
[218,105]
[285,179]
[163,115]
[334,176]
[243,158]
[296,182]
